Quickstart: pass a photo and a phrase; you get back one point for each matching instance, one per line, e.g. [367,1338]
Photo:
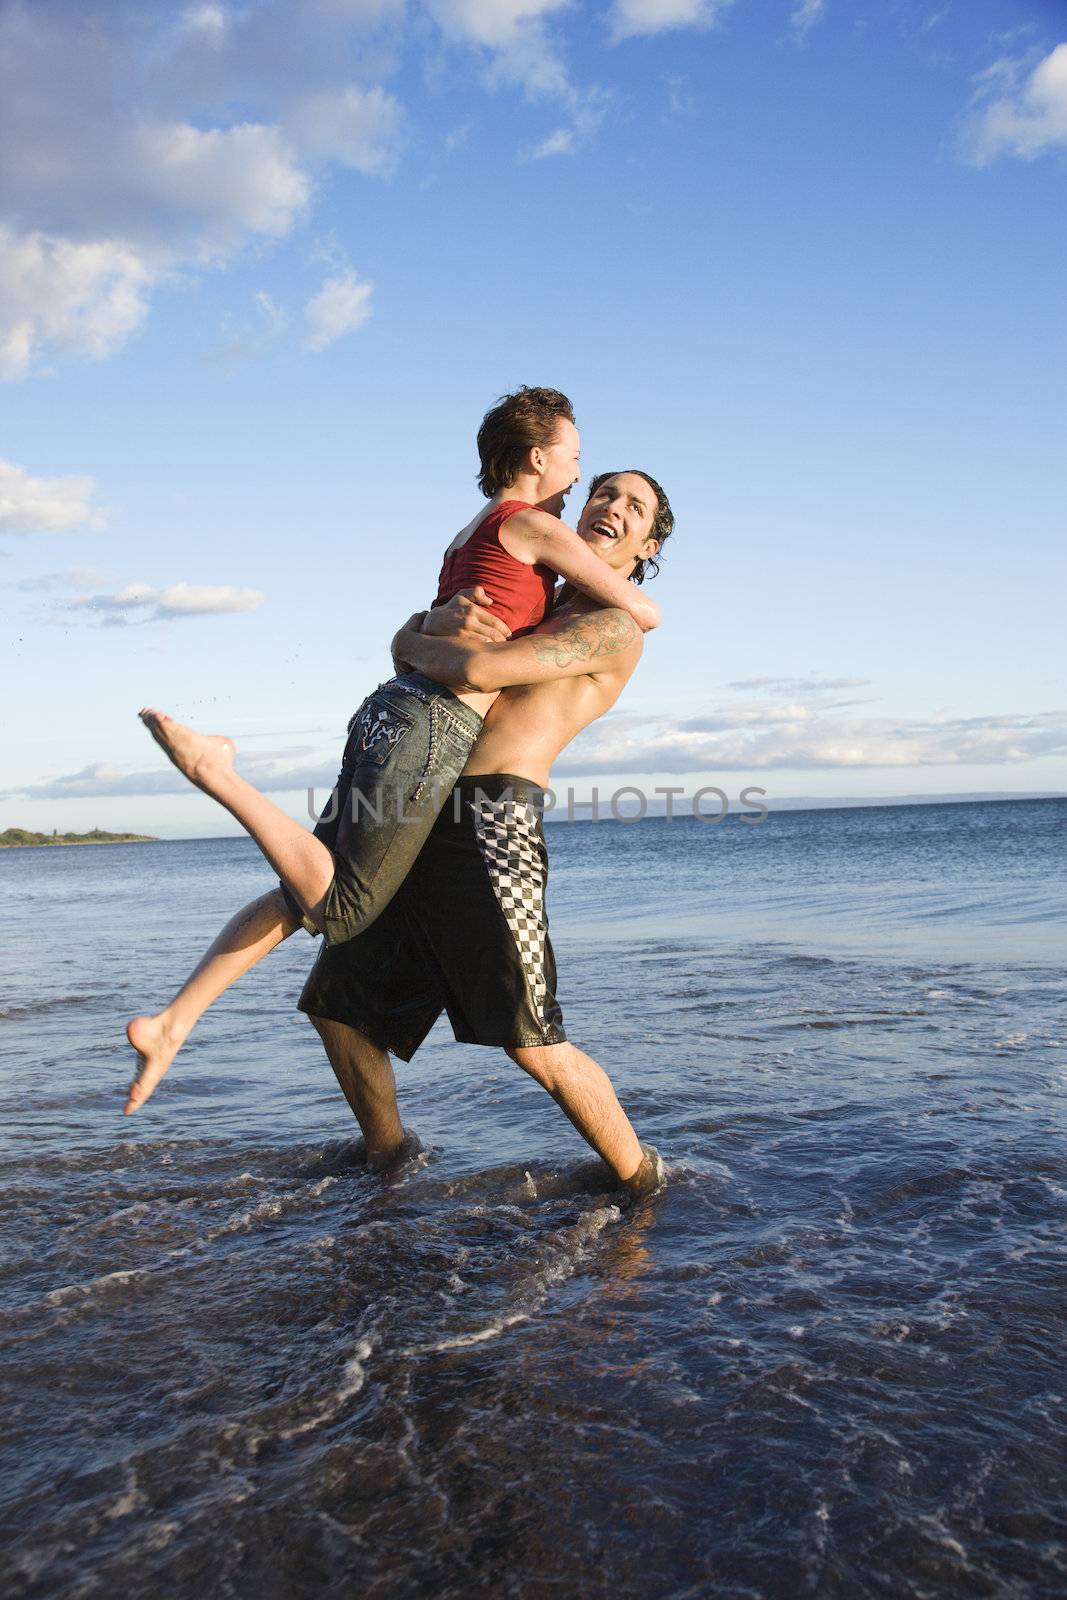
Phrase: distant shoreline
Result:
[23,839]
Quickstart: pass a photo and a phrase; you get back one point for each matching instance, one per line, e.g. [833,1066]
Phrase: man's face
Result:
[617,521]
[560,467]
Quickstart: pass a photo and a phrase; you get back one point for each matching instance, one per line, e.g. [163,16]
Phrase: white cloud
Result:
[207,19]
[227,182]
[184,195]
[806,15]
[360,128]
[586,112]
[798,737]
[514,33]
[632,18]
[798,685]
[635,744]
[102,778]
[274,318]
[1027,121]
[680,101]
[122,159]
[496,24]
[748,717]
[243,343]
[934,20]
[341,306]
[560,143]
[44,504]
[139,141]
[179,600]
[83,299]
[81,578]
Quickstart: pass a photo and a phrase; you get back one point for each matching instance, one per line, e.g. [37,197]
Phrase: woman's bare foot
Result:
[200,757]
[157,1044]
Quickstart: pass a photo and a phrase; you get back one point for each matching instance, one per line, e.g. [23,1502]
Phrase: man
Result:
[467,930]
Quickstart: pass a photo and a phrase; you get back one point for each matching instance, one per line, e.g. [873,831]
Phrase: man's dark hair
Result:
[662,522]
[517,423]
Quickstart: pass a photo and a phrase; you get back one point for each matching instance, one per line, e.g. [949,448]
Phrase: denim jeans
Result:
[407,744]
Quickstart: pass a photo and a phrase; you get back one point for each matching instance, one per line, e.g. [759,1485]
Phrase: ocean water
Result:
[827,1360]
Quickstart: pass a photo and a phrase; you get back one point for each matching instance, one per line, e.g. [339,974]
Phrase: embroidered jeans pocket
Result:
[378,730]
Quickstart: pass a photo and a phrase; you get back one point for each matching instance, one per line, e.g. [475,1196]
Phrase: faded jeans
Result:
[407,745]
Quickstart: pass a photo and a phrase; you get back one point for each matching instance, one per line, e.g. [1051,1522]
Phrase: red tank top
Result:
[521,593]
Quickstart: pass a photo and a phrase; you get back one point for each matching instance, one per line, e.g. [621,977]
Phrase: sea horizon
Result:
[656,810]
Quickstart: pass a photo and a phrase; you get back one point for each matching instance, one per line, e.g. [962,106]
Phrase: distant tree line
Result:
[13,838]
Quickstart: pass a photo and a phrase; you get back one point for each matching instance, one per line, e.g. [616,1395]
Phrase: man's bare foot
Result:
[389,1161]
[157,1045]
[200,757]
[650,1175]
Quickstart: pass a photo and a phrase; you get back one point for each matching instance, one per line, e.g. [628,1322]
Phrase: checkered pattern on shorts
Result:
[509,837]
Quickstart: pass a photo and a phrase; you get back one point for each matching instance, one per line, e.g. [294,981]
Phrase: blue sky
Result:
[264,266]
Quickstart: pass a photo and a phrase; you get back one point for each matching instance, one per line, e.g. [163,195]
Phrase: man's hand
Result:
[466,620]
[457,629]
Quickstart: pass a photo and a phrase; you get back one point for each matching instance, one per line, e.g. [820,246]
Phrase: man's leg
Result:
[245,939]
[583,1091]
[478,903]
[365,1074]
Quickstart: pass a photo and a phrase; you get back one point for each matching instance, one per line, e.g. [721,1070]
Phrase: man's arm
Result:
[565,647]
[464,618]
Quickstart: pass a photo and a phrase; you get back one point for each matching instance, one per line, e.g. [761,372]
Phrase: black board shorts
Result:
[466,933]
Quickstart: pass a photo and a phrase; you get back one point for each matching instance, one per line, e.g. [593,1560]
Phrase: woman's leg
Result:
[302,862]
[245,939]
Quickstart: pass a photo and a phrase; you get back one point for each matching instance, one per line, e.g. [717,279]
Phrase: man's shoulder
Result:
[606,637]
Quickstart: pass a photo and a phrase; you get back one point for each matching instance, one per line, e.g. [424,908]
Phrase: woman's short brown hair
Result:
[517,424]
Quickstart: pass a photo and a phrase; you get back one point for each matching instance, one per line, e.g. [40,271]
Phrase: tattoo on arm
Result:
[597,633]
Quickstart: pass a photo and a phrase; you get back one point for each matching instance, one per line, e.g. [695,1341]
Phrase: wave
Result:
[874,1019]
[44,1008]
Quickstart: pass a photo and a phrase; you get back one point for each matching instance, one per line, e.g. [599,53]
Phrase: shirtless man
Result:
[467,931]
[443,943]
